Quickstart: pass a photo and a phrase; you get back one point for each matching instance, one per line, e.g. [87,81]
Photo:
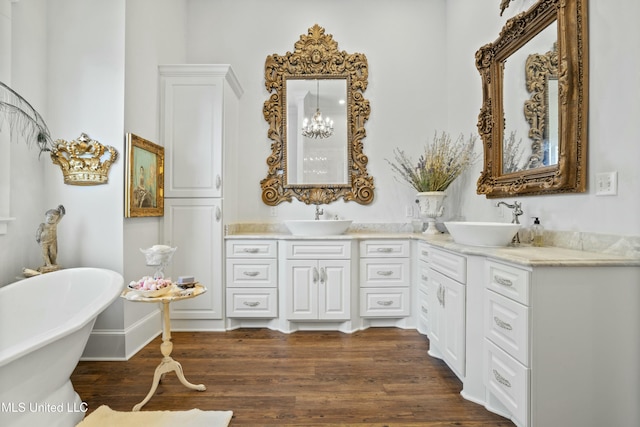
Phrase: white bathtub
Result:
[45,322]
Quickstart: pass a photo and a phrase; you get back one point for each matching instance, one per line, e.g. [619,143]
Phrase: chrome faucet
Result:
[516,212]
[318,212]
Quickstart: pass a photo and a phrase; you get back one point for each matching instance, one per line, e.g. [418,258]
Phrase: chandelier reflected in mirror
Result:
[317,127]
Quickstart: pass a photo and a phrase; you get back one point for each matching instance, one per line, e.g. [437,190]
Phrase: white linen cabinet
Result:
[198,129]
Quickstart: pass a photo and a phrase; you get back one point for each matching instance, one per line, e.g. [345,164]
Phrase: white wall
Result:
[155,34]
[614,43]
[423,78]
[25,71]
[404,44]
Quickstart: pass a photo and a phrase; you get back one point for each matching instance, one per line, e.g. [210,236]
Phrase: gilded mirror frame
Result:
[316,56]
[570,173]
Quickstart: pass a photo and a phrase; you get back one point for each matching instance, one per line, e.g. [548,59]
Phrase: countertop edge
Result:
[526,255]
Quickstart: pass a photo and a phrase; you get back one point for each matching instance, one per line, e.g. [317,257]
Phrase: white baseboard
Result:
[117,344]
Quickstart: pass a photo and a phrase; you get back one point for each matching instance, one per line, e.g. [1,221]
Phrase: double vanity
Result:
[543,336]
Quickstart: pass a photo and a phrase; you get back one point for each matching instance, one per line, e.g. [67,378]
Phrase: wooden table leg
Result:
[167,364]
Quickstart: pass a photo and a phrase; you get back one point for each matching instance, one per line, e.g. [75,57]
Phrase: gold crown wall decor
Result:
[83,161]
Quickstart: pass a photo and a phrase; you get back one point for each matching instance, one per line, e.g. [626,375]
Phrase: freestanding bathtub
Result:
[45,322]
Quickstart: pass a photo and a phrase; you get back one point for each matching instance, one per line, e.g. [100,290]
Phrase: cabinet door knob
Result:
[218,182]
[323,275]
[218,213]
[315,275]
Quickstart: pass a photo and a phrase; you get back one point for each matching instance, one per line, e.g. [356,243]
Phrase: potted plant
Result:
[442,161]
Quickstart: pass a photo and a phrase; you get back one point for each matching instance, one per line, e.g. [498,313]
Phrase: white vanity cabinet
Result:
[317,280]
[385,278]
[446,299]
[562,343]
[252,279]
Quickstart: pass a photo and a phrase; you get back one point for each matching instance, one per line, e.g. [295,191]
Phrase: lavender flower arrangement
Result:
[441,163]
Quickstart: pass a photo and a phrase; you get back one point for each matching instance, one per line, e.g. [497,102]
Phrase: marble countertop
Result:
[522,254]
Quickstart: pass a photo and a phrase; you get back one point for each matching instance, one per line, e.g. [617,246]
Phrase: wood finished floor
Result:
[375,377]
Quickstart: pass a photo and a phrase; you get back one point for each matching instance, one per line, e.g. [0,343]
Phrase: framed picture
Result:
[144,178]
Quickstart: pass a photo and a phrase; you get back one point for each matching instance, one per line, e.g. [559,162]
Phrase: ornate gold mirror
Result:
[533,119]
[316,161]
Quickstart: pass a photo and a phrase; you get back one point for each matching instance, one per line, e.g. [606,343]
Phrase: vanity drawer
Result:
[252,273]
[449,264]
[384,248]
[506,324]
[423,252]
[512,282]
[252,249]
[376,272]
[252,303]
[316,249]
[384,302]
[508,381]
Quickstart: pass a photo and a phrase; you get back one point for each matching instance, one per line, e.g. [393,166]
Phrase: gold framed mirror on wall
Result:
[316,114]
[533,119]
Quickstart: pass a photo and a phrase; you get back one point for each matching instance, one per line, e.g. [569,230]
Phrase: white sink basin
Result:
[492,234]
[329,227]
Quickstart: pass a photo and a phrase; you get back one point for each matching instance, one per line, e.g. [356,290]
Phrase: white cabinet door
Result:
[318,289]
[302,277]
[447,320]
[194,227]
[454,326]
[334,290]
[191,117]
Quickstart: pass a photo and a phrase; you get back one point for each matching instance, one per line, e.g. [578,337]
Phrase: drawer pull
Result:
[384,303]
[385,273]
[250,273]
[502,380]
[502,280]
[502,324]
[387,250]
[251,303]
[425,278]
[251,250]
[424,309]
[425,253]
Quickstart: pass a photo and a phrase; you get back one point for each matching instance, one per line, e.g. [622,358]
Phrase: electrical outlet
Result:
[274,211]
[408,210]
[607,184]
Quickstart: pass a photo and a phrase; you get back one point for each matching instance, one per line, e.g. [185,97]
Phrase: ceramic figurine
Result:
[47,237]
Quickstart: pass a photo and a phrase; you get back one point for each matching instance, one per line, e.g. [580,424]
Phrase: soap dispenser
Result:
[537,232]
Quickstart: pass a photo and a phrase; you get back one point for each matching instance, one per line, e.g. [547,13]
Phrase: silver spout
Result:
[516,212]
[318,212]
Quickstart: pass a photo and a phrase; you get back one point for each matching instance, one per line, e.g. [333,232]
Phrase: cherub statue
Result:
[47,237]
